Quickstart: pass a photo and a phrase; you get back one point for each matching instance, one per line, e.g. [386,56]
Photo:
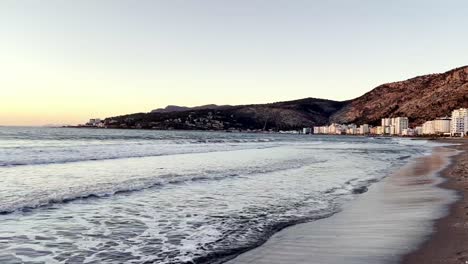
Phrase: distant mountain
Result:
[421,98]
[276,116]
[175,108]
[170,108]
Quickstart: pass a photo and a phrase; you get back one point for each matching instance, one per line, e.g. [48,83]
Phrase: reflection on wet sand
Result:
[449,244]
[392,219]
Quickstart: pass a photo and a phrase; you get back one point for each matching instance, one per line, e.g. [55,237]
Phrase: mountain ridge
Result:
[420,98]
[279,115]
[177,108]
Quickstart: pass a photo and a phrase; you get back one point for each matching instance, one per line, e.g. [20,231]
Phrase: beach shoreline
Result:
[449,243]
[393,219]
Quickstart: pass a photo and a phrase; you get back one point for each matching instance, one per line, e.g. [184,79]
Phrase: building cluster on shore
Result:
[94,122]
[456,125]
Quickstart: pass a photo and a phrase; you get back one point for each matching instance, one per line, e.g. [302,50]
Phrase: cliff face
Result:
[422,98]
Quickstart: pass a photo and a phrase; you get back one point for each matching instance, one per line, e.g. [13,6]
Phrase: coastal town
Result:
[454,126]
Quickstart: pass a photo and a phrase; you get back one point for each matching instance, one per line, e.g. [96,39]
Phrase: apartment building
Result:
[459,123]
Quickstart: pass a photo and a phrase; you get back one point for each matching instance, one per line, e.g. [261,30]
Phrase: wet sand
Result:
[392,219]
[449,244]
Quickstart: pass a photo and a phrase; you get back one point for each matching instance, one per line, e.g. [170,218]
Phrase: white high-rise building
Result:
[400,124]
[386,122]
[364,129]
[395,125]
[442,125]
[428,128]
[459,124]
[387,130]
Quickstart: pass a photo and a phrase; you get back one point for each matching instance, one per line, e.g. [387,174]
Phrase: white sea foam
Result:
[209,195]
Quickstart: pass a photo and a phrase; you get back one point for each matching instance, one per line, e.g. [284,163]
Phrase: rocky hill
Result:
[276,116]
[421,98]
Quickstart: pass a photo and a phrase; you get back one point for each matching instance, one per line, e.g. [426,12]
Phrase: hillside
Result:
[276,116]
[421,98]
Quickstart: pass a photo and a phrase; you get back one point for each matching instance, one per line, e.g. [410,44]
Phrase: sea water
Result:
[143,196]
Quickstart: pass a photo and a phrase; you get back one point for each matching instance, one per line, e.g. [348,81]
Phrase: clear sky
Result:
[67,61]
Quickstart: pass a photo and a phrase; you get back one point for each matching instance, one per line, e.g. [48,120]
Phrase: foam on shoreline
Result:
[392,219]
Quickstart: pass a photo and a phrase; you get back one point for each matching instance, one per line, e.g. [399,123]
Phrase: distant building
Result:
[442,125]
[428,128]
[386,122]
[379,130]
[386,130]
[324,130]
[394,125]
[332,128]
[459,123]
[408,132]
[321,130]
[306,130]
[400,124]
[418,131]
[351,129]
[364,129]
[94,122]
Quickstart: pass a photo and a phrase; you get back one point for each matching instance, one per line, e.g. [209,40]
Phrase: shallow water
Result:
[107,196]
[391,220]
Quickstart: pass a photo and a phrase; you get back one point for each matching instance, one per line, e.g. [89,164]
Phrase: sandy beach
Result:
[386,224]
[449,243]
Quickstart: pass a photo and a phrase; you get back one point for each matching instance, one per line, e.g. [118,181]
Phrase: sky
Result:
[63,61]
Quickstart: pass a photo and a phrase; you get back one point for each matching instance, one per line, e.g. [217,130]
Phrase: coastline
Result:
[449,243]
[385,224]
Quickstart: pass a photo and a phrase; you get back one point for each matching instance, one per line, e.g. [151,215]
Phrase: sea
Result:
[71,195]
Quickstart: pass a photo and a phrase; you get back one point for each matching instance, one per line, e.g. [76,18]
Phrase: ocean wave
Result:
[259,229]
[58,155]
[61,196]
[91,192]
[233,246]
